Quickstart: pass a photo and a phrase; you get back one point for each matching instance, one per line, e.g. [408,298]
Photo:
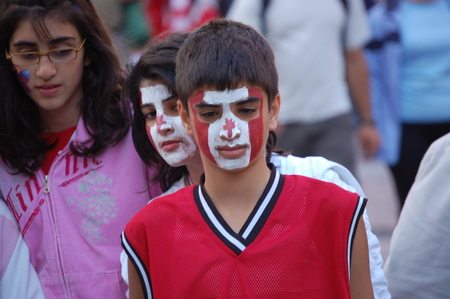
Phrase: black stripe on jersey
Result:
[357,214]
[256,220]
[144,276]
[263,208]
[217,225]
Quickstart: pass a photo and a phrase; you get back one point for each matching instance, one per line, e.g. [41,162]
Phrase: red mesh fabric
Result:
[301,252]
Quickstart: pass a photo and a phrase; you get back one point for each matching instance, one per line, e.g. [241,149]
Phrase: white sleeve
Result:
[18,279]
[124,269]
[418,265]
[325,170]
[357,30]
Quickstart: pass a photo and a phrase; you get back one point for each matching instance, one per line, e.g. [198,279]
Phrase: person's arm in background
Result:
[358,83]
[357,34]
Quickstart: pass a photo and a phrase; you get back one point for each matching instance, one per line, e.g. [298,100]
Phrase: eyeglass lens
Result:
[55,55]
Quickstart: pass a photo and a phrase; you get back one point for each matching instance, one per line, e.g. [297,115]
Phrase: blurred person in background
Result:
[127,24]
[409,64]
[418,265]
[179,15]
[318,51]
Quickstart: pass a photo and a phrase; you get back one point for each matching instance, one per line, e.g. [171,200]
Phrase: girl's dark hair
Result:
[106,118]
[156,63]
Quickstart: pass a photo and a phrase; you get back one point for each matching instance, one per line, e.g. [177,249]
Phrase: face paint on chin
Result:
[167,135]
[174,148]
[24,77]
[232,143]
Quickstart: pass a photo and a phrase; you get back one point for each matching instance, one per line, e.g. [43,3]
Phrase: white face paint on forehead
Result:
[228,96]
[167,134]
[155,94]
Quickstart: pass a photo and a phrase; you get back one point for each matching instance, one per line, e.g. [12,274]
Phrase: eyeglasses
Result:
[55,55]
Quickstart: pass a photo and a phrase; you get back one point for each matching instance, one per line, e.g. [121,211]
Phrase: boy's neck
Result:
[195,169]
[235,194]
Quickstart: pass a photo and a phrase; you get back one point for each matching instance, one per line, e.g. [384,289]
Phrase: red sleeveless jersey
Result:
[295,244]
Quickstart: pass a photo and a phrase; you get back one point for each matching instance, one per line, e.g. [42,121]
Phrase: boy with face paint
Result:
[225,236]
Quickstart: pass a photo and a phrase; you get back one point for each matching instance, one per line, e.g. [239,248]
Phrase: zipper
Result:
[46,185]
[57,248]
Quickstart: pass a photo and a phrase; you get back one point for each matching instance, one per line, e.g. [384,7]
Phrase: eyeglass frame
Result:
[9,57]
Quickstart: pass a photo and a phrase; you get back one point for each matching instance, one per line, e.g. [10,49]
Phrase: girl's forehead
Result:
[26,31]
[154,94]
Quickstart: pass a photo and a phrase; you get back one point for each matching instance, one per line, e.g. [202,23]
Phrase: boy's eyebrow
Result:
[203,104]
[248,100]
[33,44]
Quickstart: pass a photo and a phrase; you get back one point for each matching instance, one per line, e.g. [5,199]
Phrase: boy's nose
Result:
[229,130]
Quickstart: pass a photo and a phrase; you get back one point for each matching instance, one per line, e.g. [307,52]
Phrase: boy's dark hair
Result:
[156,63]
[224,54]
[107,119]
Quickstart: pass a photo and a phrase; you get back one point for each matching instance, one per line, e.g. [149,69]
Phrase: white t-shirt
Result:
[18,279]
[307,37]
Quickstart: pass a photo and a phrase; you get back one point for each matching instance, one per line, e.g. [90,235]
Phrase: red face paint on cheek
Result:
[256,126]
[201,128]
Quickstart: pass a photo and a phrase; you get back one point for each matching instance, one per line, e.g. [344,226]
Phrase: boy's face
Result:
[230,126]
[164,127]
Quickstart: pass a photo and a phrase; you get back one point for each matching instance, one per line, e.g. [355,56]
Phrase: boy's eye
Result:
[208,114]
[247,110]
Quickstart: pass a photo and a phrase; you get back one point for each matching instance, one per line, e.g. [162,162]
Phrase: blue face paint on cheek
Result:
[24,77]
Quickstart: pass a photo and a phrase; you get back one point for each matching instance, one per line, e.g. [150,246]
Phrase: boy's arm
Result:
[136,289]
[360,283]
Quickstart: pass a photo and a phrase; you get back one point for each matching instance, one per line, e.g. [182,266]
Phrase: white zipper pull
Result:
[46,186]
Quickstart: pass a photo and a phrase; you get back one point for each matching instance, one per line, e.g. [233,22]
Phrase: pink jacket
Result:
[72,218]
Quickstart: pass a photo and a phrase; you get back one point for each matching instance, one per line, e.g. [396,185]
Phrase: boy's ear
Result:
[184,118]
[273,113]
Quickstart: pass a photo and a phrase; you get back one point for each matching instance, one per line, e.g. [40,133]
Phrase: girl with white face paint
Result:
[163,125]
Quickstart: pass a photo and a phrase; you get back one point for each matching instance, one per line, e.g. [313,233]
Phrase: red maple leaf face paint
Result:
[233,122]
[164,127]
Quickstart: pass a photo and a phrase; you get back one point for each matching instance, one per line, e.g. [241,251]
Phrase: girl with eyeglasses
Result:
[69,172]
